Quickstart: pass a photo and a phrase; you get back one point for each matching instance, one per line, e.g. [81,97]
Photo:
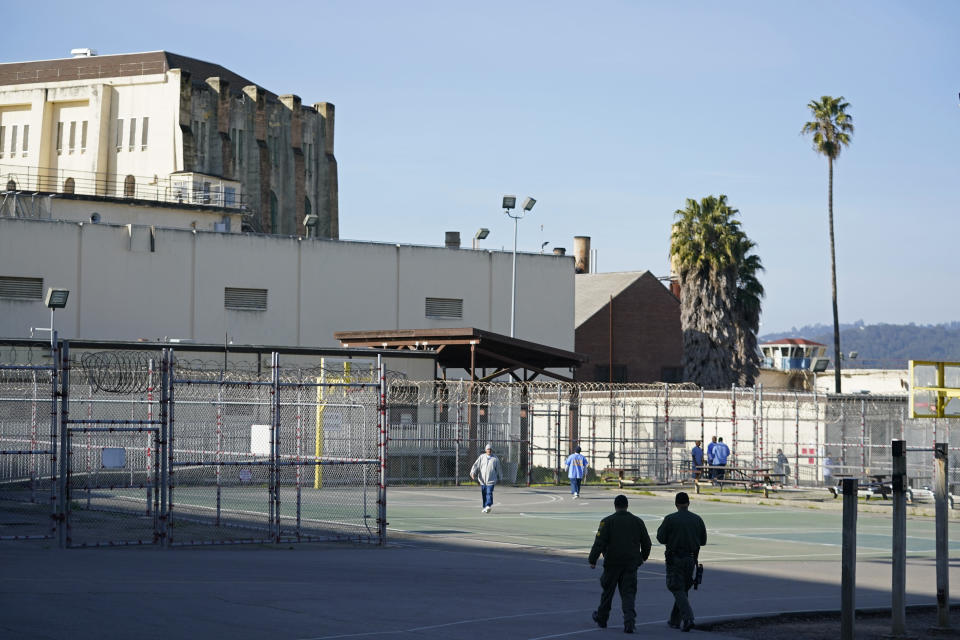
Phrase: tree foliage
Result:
[720,294]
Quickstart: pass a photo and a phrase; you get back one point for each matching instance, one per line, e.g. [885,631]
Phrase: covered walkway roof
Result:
[473,349]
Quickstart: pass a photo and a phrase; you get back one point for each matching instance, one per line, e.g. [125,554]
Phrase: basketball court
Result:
[450,571]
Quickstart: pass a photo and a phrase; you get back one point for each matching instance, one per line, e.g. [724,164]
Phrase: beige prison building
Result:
[161,129]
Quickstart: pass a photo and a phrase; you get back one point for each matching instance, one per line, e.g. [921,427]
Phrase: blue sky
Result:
[611,114]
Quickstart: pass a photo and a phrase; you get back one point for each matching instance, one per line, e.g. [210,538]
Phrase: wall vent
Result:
[245,299]
[21,288]
[444,307]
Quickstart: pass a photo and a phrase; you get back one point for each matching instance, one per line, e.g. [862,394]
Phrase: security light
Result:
[56,298]
[311,220]
[481,233]
[528,204]
[509,202]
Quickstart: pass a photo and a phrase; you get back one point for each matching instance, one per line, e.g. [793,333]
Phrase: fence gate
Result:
[28,451]
[112,451]
[285,456]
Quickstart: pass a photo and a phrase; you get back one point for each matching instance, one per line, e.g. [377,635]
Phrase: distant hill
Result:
[887,346]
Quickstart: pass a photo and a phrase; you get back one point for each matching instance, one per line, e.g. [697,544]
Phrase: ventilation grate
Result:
[444,307]
[21,288]
[245,299]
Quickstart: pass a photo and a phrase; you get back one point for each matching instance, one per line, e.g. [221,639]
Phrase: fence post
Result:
[760,424]
[62,485]
[863,438]
[943,559]
[667,435]
[456,442]
[382,420]
[733,423]
[275,449]
[899,560]
[171,417]
[848,581]
[556,467]
[796,443]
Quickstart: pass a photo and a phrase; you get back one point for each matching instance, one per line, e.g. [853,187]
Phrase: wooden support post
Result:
[848,581]
[943,559]
[899,565]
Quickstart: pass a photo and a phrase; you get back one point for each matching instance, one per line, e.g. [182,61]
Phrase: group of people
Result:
[624,543]
[716,459]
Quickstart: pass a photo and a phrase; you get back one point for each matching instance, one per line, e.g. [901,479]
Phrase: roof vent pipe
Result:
[581,254]
[452,239]
[83,52]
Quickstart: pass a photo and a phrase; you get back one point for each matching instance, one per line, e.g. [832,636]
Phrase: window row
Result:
[71,133]
[131,137]
[24,141]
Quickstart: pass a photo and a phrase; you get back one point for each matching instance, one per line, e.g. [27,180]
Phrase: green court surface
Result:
[738,533]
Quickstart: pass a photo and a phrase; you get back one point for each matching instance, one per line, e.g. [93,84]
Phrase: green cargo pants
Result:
[679,580]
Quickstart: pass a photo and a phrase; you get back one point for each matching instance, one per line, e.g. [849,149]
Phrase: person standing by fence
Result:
[696,455]
[576,466]
[720,454]
[711,473]
[486,471]
[623,540]
[682,533]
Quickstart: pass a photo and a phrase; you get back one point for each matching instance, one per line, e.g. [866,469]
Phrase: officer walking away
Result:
[486,470]
[576,466]
[696,454]
[682,533]
[623,540]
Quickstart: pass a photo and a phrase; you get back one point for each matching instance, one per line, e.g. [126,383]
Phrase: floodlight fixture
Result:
[481,233]
[310,222]
[509,202]
[56,298]
[528,204]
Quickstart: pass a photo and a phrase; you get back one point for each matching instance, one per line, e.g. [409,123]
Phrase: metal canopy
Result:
[472,349]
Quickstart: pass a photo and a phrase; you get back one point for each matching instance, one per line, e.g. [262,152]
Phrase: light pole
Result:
[509,203]
[55,299]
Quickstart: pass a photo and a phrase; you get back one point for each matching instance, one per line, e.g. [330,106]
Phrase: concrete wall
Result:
[121,289]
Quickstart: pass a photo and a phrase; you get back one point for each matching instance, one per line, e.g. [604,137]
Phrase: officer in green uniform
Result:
[625,544]
[682,533]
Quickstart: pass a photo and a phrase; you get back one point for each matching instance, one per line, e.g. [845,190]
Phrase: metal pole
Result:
[556,468]
[513,287]
[943,559]
[899,560]
[760,424]
[171,470]
[62,503]
[848,581]
[733,422]
[796,444]
[456,442]
[382,419]
[275,449]
[756,439]
[667,434]
[863,437]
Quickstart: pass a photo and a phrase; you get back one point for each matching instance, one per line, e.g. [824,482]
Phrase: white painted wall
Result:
[121,290]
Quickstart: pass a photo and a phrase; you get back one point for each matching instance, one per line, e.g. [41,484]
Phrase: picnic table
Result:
[747,477]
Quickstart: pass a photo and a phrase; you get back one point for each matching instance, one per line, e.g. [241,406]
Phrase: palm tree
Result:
[831,127]
[719,294]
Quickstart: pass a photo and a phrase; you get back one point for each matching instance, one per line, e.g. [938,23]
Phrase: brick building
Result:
[636,318]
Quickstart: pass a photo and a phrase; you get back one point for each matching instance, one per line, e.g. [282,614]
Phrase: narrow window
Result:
[69,186]
[143,134]
[83,136]
[73,135]
[13,140]
[240,144]
[59,138]
[3,138]
[119,135]
[203,139]
[274,206]
[133,133]
[26,139]
[129,186]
